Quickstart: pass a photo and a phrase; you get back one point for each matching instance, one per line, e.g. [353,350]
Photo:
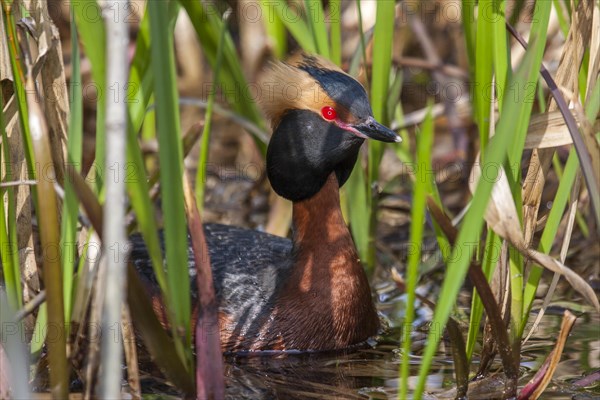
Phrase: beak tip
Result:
[372,129]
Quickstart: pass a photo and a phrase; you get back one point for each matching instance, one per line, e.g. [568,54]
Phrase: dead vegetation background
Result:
[428,49]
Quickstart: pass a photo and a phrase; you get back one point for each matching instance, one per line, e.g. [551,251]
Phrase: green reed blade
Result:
[232,80]
[549,234]
[592,106]
[92,32]
[171,165]
[358,203]
[316,20]
[294,23]
[491,253]
[141,82]
[483,72]
[358,209]
[70,213]
[49,224]
[40,331]
[527,93]
[562,19]
[501,54]
[335,26]
[470,29]
[19,86]
[382,62]
[361,53]
[471,228]
[421,184]
[9,250]
[204,145]
[275,28]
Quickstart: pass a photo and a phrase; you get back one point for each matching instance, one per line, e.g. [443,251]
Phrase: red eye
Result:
[328,113]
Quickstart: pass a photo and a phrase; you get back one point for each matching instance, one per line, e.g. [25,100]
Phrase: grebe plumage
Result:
[311,292]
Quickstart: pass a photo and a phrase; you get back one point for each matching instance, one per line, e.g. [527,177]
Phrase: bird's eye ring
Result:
[328,113]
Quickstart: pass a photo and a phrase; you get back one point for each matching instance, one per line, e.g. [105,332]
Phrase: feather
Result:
[285,86]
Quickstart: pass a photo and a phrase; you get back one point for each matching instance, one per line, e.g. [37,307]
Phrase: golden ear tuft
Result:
[284,86]
[311,60]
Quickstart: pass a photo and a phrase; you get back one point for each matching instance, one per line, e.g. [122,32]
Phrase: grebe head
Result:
[321,116]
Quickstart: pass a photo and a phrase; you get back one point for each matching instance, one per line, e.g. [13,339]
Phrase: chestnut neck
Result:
[319,226]
[327,291]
